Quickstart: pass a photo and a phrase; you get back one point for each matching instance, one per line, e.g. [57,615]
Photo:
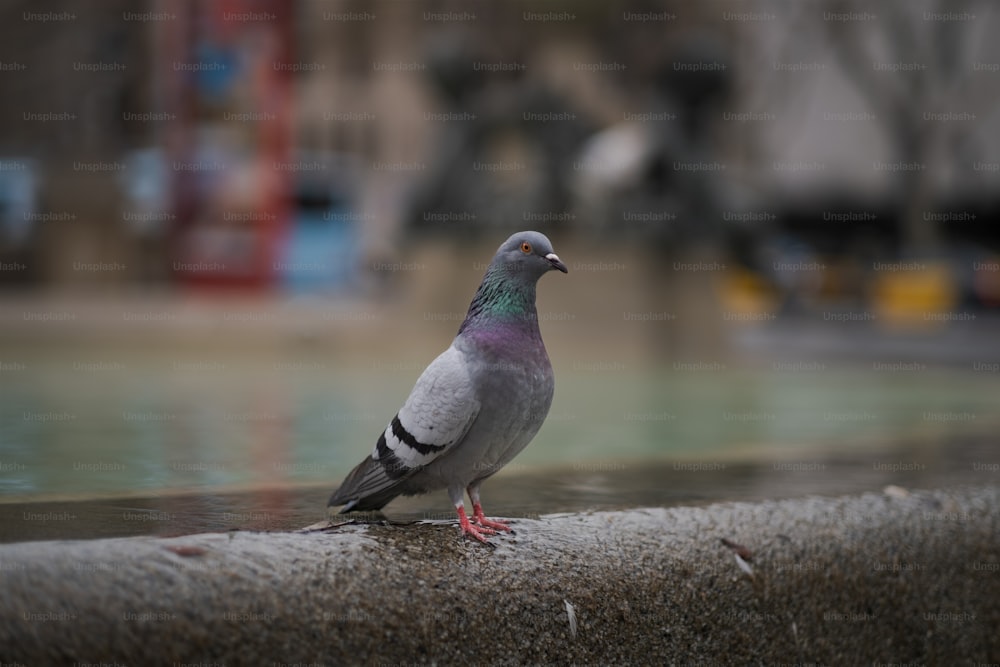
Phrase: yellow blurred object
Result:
[746,293]
[913,294]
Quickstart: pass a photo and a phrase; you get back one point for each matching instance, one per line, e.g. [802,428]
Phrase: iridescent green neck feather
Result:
[502,298]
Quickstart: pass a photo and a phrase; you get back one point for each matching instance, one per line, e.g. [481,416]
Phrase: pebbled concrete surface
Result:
[895,577]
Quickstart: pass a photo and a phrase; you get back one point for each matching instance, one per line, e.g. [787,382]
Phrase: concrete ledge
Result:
[880,578]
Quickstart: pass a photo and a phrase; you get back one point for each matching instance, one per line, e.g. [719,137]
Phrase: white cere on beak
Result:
[556,262]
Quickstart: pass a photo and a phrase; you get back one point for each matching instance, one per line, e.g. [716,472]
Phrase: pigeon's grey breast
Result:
[513,381]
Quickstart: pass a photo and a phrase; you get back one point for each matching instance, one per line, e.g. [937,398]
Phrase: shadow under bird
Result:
[477,405]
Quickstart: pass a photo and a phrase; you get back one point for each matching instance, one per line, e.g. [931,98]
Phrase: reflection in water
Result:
[149,444]
[550,490]
[144,426]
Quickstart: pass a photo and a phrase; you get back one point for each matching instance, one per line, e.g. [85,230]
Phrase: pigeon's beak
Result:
[556,262]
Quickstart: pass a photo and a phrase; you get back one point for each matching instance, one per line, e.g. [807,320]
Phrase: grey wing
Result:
[434,419]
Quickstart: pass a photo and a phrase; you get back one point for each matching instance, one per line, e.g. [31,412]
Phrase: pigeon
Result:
[477,405]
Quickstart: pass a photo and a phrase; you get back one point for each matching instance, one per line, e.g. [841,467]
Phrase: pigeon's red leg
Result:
[469,529]
[480,518]
[477,512]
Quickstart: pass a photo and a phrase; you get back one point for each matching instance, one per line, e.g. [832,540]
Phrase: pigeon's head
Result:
[528,254]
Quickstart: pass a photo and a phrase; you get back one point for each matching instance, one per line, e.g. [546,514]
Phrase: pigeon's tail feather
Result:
[367,488]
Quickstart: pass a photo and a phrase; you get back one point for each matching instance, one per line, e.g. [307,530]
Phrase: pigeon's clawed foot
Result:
[491,524]
[468,528]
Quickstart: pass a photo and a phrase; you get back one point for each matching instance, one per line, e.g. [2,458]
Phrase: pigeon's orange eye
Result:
[526,247]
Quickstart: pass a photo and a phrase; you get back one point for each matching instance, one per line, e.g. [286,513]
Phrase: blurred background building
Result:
[294,146]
